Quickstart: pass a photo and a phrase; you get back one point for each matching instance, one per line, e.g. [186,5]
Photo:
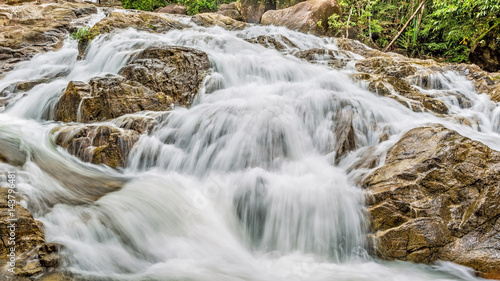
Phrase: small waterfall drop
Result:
[247,184]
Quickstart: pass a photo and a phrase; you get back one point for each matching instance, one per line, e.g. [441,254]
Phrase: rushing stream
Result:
[244,185]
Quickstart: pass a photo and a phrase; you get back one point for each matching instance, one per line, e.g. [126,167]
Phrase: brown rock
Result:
[403,92]
[33,28]
[176,72]
[336,59]
[230,10]
[277,42]
[33,255]
[144,21]
[141,123]
[213,19]
[154,79]
[436,197]
[97,144]
[106,98]
[175,9]
[252,10]
[309,16]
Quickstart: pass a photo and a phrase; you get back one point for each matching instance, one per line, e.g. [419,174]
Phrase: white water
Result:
[242,186]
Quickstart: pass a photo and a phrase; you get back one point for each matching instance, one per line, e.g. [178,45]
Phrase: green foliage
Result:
[84,34]
[145,5]
[193,6]
[199,6]
[445,28]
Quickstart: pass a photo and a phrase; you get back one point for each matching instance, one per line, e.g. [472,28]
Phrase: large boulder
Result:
[213,19]
[436,197]
[155,79]
[309,16]
[487,53]
[176,72]
[106,98]
[97,144]
[252,10]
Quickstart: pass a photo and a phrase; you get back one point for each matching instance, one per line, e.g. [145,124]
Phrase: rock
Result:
[484,82]
[277,42]
[155,79]
[144,21]
[85,11]
[309,16]
[107,98]
[401,91]
[32,28]
[252,10]
[487,53]
[141,123]
[213,19]
[336,59]
[34,256]
[230,10]
[436,197]
[175,9]
[97,144]
[176,72]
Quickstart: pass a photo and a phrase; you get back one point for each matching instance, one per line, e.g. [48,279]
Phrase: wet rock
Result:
[107,98]
[33,28]
[436,197]
[230,10]
[309,16]
[97,144]
[336,59]
[175,9]
[484,82]
[143,123]
[213,19]
[277,42]
[176,72]
[155,79]
[401,91]
[34,255]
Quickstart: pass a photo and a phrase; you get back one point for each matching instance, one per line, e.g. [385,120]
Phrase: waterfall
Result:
[246,184]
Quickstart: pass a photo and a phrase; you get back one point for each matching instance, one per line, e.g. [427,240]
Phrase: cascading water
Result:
[244,185]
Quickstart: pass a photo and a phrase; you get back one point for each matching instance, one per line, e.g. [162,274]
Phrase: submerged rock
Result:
[309,16]
[97,144]
[155,79]
[213,19]
[436,197]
